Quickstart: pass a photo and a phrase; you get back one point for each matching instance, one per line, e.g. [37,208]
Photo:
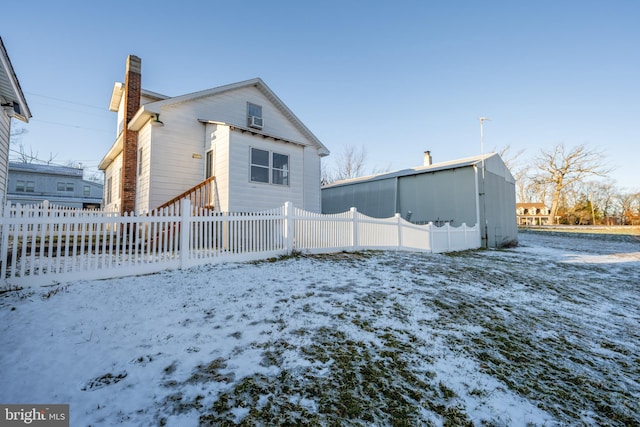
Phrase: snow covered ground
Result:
[543,334]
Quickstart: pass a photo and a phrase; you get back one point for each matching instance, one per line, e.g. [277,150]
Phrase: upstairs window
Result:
[254,115]
[31,186]
[20,186]
[86,191]
[269,167]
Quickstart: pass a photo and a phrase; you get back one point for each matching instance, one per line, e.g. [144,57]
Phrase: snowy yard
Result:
[547,333]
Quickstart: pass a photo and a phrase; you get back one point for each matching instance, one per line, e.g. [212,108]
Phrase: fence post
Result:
[185,231]
[448,236]
[288,228]
[464,227]
[398,218]
[4,248]
[354,223]
[431,236]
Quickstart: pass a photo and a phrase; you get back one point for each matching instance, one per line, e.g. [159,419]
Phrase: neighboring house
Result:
[31,183]
[13,105]
[533,214]
[474,190]
[259,153]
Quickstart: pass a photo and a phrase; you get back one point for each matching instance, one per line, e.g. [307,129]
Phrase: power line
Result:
[65,100]
[48,105]
[71,126]
[51,162]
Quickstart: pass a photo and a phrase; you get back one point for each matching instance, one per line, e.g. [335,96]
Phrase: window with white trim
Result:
[269,167]
[109,186]
[208,164]
[254,115]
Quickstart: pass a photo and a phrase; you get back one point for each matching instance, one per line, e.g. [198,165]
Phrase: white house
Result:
[536,213]
[258,152]
[13,105]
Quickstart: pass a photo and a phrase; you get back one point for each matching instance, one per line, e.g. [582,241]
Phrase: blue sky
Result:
[395,77]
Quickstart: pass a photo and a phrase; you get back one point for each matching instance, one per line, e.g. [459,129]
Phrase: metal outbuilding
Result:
[473,190]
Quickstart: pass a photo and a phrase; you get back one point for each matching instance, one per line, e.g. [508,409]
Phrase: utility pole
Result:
[484,192]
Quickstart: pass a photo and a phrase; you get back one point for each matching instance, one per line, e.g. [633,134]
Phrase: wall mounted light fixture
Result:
[8,109]
[155,121]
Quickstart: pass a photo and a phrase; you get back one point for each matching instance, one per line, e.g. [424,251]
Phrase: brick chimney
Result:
[427,160]
[132,89]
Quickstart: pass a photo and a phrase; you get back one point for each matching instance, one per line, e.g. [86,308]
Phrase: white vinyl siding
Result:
[246,196]
[173,167]
[142,172]
[5,123]
[178,152]
[311,180]
[113,172]
[231,107]
[218,144]
[120,122]
[182,136]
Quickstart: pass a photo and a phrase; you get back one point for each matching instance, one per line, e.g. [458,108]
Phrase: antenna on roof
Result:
[482,120]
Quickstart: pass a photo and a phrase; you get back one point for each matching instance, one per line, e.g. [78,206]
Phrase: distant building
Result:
[533,214]
[61,185]
[12,106]
[475,190]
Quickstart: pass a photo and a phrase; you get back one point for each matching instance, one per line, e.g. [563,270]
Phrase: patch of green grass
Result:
[349,382]
[211,372]
[546,351]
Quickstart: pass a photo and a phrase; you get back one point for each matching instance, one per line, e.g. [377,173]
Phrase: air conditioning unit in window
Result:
[255,122]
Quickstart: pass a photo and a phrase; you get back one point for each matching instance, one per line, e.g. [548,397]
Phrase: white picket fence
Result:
[41,245]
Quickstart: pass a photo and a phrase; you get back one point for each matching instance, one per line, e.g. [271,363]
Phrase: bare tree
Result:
[629,208]
[350,164]
[511,160]
[525,187]
[16,134]
[528,190]
[23,156]
[95,177]
[561,167]
[602,196]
